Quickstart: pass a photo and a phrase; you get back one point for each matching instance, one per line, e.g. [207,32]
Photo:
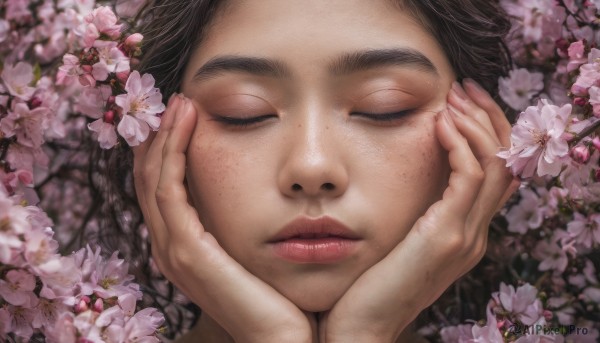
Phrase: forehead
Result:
[308,34]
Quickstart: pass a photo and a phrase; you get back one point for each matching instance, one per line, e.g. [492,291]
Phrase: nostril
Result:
[296,187]
[328,186]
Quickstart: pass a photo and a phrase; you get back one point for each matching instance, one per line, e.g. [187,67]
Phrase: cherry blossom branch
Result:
[585,132]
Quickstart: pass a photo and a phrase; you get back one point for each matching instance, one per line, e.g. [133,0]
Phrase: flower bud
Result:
[133,40]
[596,142]
[98,305]
[34,103]
[562,46]
[580,154]
[580,101]
[548,315]
[109,117]
[123,76]
[82,306]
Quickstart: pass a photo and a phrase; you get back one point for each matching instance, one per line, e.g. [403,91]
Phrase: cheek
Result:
[409,173]
[231,182]
[214,175]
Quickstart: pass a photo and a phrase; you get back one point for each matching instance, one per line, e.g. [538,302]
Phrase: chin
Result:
[314,291]
[317,301]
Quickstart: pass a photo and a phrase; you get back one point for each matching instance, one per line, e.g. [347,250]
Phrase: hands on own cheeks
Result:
[245,306]
[444,243]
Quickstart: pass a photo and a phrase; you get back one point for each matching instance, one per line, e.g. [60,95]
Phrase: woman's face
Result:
[316,117]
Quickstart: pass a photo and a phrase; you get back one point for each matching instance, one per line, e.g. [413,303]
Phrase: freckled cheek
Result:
[419,159]
[411,175]
[212,172]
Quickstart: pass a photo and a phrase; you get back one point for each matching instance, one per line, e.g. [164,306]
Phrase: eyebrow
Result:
[252,65]
[345,64]
[369,59]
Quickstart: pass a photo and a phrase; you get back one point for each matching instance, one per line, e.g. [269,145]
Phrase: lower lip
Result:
[317,250]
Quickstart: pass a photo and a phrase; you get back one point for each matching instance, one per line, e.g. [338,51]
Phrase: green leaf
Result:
[37,74]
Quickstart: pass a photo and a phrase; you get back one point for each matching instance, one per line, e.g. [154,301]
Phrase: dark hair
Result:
[470,32]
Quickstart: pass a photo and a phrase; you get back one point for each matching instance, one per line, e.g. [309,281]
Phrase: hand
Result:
[246,307]
[447,241]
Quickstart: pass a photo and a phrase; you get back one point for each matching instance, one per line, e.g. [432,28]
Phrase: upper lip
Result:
[307,227]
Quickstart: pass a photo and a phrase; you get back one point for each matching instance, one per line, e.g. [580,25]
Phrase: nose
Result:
[314,164]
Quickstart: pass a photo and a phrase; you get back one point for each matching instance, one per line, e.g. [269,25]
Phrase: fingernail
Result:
[458,90]
[171,98]
[183,108]
[168,116]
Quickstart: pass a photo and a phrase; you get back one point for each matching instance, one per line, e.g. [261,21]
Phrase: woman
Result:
[322,176]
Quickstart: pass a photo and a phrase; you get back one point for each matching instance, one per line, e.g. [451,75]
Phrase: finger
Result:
[466,175]
[238,300]
[496,115]
[460,100]
[171,194]
[512,188]
[497,176]
[149,162]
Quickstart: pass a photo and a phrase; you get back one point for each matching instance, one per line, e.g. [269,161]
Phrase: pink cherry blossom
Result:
[489,333]
[562,310]
[518,89]
[112,60]
[457,334]
[17,10]
[133,130]
[21,319]
[92,101]
[5,323]
[140,106]
[143,326]
[551,255]
[141,97]
[585,229]
[527,214]
[17,79]
[72,69]
[111,278]
[103,21]
[577,55]
[26,124]
[522,302]
[589,74]
[4,27]
[17,288]
[579,181]
[537,142]
[107,136]
[591,294]
[594,93]
[63,330]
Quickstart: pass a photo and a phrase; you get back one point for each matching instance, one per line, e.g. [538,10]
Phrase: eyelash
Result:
[243,122]
[246,122]
[384,117]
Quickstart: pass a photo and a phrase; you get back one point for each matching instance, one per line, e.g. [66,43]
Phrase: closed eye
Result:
[384,116]
[242,122]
